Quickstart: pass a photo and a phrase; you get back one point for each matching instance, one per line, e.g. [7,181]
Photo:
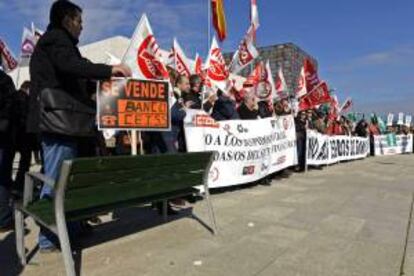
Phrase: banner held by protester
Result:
[246,150]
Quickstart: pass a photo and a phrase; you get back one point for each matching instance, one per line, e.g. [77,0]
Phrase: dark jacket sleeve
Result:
[66,59]
[6,92]
[177,114]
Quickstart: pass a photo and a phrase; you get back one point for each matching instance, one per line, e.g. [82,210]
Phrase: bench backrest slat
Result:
[104,181]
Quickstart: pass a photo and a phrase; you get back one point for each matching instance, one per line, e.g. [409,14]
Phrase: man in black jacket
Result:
[301,126]
[61,106]
[224,108]
[248,109]
[6,91]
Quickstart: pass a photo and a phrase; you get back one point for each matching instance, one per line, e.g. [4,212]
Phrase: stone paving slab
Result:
[347,219]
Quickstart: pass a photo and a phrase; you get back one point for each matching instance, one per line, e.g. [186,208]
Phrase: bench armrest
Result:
[43,178]
[30,178]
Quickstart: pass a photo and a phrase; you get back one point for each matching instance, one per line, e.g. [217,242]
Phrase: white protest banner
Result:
[392,144]
[323,149]
[390,119]
[246,150]
[400,118]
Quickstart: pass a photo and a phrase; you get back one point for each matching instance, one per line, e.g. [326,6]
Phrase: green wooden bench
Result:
[92,186]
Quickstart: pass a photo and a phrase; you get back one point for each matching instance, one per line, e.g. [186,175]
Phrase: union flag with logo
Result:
[245,54]
[181,64]
[217,71]
[319,95]
[143,55]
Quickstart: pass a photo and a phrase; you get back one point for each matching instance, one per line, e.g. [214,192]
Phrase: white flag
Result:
[111,59]
[37,33]
[254,14]
[301,89]
[27,46]
[400,118]
[143,55]
[408,119]
[273,95]
[390,119]
[245,54]
[217,72]
[181,64]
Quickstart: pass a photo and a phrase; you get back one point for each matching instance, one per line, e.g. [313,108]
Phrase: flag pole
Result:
[203,93]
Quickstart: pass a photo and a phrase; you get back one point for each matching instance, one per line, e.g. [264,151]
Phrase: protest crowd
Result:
[35,123]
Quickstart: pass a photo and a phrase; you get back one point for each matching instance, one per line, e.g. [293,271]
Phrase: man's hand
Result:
[188,104]
[121,70]
[212,98]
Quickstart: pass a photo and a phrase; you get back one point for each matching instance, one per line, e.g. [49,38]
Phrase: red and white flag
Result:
[181,63]
[245,54]
[281,86]
[346,106]
[28,43]
[217,71]
[7,59]
[254,14]
[143,55]
[261,80]
[301,88]
[319,95]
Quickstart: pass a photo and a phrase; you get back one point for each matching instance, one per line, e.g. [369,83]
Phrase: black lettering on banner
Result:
[313,147]
[324,152]
[208,139]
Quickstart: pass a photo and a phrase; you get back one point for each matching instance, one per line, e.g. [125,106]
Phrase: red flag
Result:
[219,18]
[198,67]
[312,79]
[319,95]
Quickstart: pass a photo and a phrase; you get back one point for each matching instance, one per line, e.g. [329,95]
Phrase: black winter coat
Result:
[57,63]
[224,109]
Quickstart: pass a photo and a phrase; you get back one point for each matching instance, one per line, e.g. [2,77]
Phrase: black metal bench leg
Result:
[19,231]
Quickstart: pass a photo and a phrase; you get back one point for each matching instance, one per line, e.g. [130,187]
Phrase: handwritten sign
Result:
[133,104]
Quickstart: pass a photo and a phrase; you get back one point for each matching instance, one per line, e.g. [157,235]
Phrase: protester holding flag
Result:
[61,77]
[192,98]
[6,91]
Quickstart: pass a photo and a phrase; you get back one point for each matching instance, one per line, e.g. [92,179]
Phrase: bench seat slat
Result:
[168,173]
[43,209]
